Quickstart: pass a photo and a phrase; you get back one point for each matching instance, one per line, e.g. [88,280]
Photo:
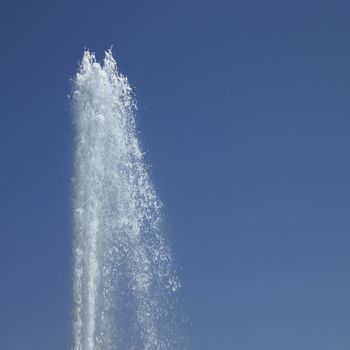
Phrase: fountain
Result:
[124,281]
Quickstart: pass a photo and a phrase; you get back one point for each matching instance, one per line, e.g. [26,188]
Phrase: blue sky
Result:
[244,115]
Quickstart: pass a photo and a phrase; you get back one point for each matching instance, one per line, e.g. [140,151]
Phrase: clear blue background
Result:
[244,114]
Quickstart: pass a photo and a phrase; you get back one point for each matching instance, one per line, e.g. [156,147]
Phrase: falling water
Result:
[124,284]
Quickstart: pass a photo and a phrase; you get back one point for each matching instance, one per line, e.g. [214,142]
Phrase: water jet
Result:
[124,280]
